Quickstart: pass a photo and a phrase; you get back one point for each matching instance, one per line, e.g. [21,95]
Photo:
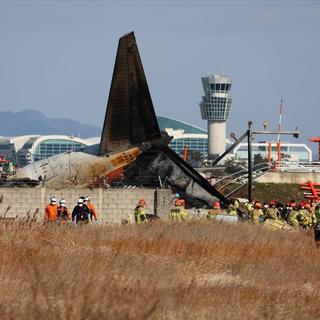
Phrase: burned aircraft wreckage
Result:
[130,140]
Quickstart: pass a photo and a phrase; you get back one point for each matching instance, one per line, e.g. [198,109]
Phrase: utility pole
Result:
[249,135]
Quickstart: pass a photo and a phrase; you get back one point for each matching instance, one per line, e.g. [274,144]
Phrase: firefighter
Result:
[313,204]
[183,212]
[281,210]
[317,211]
[256,213]
[250,207]
[80,213]
[92,209]
[272,212]
[265,209]
[317,234]
[63,214]
[304,217]
[311,214]
[85,203]
[294,216]
[286,212]
[50,214]
[233,207]
[139,212]
[175,212]
[212,214]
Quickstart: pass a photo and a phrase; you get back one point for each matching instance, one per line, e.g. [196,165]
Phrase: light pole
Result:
[249,135]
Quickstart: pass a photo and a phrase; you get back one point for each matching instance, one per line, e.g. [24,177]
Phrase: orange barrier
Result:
[312,187]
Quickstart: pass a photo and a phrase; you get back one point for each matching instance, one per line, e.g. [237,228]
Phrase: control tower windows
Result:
[220,87]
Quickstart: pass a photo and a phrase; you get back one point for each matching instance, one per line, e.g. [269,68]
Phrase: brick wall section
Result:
[112,205]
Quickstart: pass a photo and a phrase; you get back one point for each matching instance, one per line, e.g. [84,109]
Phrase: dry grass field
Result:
[196,270]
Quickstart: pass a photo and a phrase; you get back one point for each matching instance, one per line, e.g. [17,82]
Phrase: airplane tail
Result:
[130,117]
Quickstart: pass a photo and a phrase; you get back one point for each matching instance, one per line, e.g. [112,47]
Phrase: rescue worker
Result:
[250,207]
[175,212]
[233,207]
[216,209]
[265,210]
[139,212]
[294,216]
[80,213]
[85,203]
[286,212]
[317,234]
[256,213]
[304,217]
[92,209]
[272,212]
[281,211]
[63,214]
[312,205]
[317,211]
[311,214]
[50,214]
[183,212]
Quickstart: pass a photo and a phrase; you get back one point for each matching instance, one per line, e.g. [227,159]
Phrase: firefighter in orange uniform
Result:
[50,214]
[92,209]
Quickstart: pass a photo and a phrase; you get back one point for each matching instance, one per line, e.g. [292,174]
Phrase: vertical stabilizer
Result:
[130,117]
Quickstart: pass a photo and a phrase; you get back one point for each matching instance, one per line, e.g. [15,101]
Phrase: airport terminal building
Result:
[24,150]
[298,152]
[184,134]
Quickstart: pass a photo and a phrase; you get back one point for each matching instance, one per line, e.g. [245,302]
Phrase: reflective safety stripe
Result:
[139,215]
[178,214]
[175,214]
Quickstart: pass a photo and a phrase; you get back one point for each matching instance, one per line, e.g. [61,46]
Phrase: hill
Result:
[28,122]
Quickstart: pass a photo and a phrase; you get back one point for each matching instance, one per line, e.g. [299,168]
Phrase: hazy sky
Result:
[57,57]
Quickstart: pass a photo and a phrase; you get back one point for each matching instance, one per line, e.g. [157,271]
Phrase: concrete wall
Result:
[112,205]
[289,177]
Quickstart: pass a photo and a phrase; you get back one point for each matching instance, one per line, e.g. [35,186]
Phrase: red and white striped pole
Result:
[280,117]
[279,129]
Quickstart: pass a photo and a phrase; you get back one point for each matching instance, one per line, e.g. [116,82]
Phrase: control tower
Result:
[215,108]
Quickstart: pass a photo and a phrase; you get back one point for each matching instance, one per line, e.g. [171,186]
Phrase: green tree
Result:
[194,155]
[234,165]
[259,159]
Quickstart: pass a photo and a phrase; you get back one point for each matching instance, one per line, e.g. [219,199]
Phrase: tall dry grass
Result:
[196,270]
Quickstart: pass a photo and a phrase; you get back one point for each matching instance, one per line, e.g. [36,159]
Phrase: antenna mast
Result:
[279,128]
[280,117]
